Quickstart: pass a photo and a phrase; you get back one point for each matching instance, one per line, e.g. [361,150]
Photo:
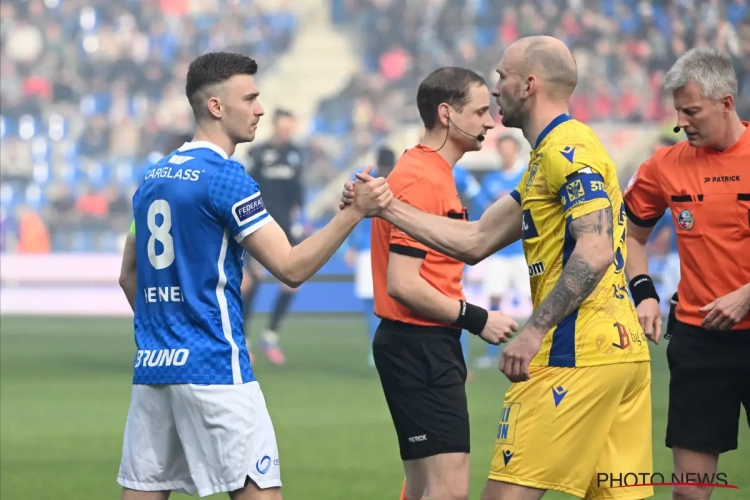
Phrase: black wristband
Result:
[471,318]
[642,288]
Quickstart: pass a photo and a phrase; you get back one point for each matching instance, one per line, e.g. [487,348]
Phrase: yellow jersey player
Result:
[579,410]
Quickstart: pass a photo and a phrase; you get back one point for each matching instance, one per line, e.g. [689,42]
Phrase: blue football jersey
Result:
[497,184]
[191,212]
[470,191]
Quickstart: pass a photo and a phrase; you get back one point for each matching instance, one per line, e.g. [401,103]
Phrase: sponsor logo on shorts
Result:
[558,393]
[248,209]
[417,439]
[161,357]
[506,430]
[507,455]
[263,465]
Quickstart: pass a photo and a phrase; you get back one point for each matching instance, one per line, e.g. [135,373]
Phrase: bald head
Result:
[546,58]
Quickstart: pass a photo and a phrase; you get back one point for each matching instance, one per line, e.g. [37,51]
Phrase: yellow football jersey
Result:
[571,175]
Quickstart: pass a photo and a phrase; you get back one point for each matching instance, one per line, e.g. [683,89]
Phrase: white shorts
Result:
[202,439]
[505,274]
[363,288]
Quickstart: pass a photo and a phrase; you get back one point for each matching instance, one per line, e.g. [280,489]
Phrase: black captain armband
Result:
[471,318]
[642,288]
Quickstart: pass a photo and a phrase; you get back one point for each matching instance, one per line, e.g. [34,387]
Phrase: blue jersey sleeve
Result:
[236,200]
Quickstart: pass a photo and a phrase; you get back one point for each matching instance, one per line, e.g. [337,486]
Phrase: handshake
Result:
[368,195]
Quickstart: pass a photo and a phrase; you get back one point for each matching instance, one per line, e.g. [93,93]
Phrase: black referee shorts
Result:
[709,380]
[423,374]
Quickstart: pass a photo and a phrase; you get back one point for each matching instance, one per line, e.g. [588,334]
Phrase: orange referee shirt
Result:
[424,180]
[708,193]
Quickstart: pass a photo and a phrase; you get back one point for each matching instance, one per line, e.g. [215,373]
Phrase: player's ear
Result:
[529,85]
[214,107]
[444,113]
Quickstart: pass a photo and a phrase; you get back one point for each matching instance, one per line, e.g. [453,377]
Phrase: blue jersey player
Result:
[506,276]
[198,421]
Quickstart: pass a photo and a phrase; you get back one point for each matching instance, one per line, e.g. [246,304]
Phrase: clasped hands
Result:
[368,195]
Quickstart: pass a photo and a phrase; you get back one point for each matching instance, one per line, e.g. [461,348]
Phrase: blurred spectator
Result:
[91,89]
[622,48]
[33,236]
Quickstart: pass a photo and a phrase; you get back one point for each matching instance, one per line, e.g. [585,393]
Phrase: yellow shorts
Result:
[576,430]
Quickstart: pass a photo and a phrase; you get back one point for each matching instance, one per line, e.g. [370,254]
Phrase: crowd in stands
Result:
[622,47]
[92,91]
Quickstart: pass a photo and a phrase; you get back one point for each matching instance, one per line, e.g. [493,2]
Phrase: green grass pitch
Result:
[65,387]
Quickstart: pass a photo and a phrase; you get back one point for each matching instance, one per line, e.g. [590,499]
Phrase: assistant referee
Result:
[705,182]
[420,300]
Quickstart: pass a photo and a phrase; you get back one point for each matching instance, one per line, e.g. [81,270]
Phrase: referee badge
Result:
[686,220]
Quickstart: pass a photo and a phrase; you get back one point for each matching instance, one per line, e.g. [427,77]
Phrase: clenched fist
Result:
[371,195]
[499,328]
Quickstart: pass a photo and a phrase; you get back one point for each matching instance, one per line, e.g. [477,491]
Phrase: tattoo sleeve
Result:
[578,278]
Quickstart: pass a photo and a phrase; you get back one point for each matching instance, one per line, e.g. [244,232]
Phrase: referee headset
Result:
[446,115]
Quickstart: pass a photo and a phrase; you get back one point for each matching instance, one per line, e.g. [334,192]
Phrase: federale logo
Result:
[248,209]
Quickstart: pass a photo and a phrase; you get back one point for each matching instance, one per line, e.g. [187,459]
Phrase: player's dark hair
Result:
[211,69]
[448,85]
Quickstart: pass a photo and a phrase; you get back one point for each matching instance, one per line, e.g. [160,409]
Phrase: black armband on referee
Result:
[642,288]
[471,318]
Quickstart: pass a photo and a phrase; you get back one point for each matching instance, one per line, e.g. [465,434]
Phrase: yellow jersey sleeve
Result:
[132,227]
[577,178]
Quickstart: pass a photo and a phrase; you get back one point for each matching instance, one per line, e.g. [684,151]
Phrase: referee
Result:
[705,182]
[276,166]
[420,300]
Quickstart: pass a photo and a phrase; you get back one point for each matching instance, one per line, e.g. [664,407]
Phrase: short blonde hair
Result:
[711,69]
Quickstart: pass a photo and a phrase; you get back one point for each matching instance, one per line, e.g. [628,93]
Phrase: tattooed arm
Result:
[592,256]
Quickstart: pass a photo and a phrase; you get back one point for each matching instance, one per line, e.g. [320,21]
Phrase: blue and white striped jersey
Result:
[191,211]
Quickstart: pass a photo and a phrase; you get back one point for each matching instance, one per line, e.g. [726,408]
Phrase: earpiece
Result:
[478,137]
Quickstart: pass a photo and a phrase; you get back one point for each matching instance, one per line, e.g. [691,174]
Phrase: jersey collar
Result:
[549,128]
[204,144]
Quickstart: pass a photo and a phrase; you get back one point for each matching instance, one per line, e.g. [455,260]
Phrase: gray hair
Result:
[711,69]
